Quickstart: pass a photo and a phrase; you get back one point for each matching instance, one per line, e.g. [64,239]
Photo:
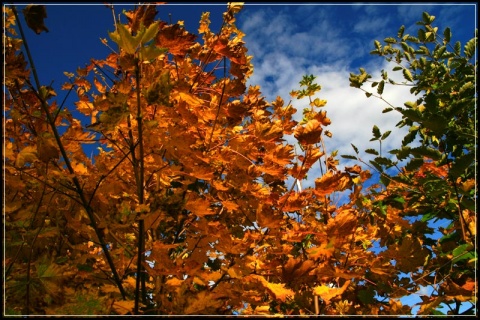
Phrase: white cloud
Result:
[282,55]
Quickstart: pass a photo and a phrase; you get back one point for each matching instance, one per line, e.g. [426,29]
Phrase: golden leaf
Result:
[230,205]
[267,218]
[27,155]
[277,290]
[199,206]
[123,307]
[325,250]
[47,148]
[79,168]
[331,182]
[190,99]
[343,222]
[310,133]
[426,308]
[327,293]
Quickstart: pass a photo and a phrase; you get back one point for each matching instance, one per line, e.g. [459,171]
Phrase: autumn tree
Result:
[194,203]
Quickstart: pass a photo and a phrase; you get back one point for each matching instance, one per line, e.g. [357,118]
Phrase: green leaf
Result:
[421,35]
[457,47]
[407,75]
[447,35]
[372,151]
[465,87]
[401,154]
[461,163]
[376,132]
[426,17]
[409,137]
[376,165]
[346,156]
[124,39]
[463,252]
[385,135]
[400,31]
[414,164]
[366,296]
[380,87]
[438,53]
[387,110]
[377,44]
[150,52]
[150,33]
[427,152]
[390,40]
[354,148]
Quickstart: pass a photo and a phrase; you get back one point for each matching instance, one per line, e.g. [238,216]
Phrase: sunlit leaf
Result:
[327,293]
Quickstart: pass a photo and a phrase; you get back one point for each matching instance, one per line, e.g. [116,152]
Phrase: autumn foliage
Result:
[194,202]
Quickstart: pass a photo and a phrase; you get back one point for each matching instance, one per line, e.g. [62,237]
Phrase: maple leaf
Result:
[34,15]
[26,155]
[277,290]
[123,307]
[47,148]
[310,133]
[327,293]
[175,38]
[144,14]
[199,206]
[343,222]
[236,52]
[331,182]
[323,251]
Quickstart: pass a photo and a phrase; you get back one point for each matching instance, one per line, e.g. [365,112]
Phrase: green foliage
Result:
[438,180]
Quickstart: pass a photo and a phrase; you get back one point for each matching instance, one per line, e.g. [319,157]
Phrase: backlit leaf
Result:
[26,155]
[34,16]
[327,293]
[310,133]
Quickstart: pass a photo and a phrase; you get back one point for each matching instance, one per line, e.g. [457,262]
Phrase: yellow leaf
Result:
[123,307]
[131,282]
[142,208]
[325,250]
[190,99]
[108,288]
[12,207]
[27,155]
[431,305]
[319,103]
[278,290]
[327,293]
[84,107]
[262,310]
[79,168]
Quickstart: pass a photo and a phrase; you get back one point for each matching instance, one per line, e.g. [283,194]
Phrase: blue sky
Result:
[286,41]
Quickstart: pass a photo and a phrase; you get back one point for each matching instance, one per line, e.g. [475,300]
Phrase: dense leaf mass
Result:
[194,202]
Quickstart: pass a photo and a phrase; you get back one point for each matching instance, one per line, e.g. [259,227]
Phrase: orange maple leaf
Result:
[310,133]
